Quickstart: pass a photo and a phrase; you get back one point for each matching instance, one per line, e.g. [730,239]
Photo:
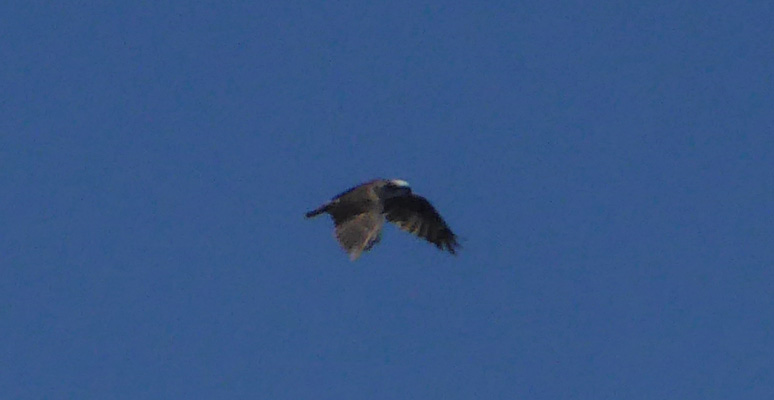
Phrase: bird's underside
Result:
[359,213]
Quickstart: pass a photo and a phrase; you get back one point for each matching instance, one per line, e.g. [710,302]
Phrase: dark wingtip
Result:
[452,246]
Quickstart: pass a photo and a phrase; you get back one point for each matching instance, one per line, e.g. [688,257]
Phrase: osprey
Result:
[359,215]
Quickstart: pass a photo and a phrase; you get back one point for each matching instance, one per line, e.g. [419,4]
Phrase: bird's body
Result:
[359,214]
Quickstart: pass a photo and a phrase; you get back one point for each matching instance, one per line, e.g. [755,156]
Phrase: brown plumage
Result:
[414,214]
[359,213]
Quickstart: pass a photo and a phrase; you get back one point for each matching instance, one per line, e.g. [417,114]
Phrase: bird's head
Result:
[396,188]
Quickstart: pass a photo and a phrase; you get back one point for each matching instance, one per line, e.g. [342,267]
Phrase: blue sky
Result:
[608,166]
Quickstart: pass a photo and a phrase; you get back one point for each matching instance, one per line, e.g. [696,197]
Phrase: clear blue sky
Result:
[610,167]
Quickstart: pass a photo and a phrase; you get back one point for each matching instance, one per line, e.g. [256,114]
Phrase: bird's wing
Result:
[341,211]
[359,233]
[416,215]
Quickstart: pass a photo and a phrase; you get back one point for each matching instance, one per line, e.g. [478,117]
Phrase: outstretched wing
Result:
[416,215]
[359,233]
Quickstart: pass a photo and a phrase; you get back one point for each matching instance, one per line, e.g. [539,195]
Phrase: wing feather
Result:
[416,215]
[359,233]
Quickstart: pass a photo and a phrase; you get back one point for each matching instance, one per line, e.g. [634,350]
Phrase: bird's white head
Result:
[396,188]
[400,183]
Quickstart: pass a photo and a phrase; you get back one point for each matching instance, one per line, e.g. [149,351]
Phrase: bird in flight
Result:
[359,214]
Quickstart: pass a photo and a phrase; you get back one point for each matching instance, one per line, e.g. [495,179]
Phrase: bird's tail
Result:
[317,211]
